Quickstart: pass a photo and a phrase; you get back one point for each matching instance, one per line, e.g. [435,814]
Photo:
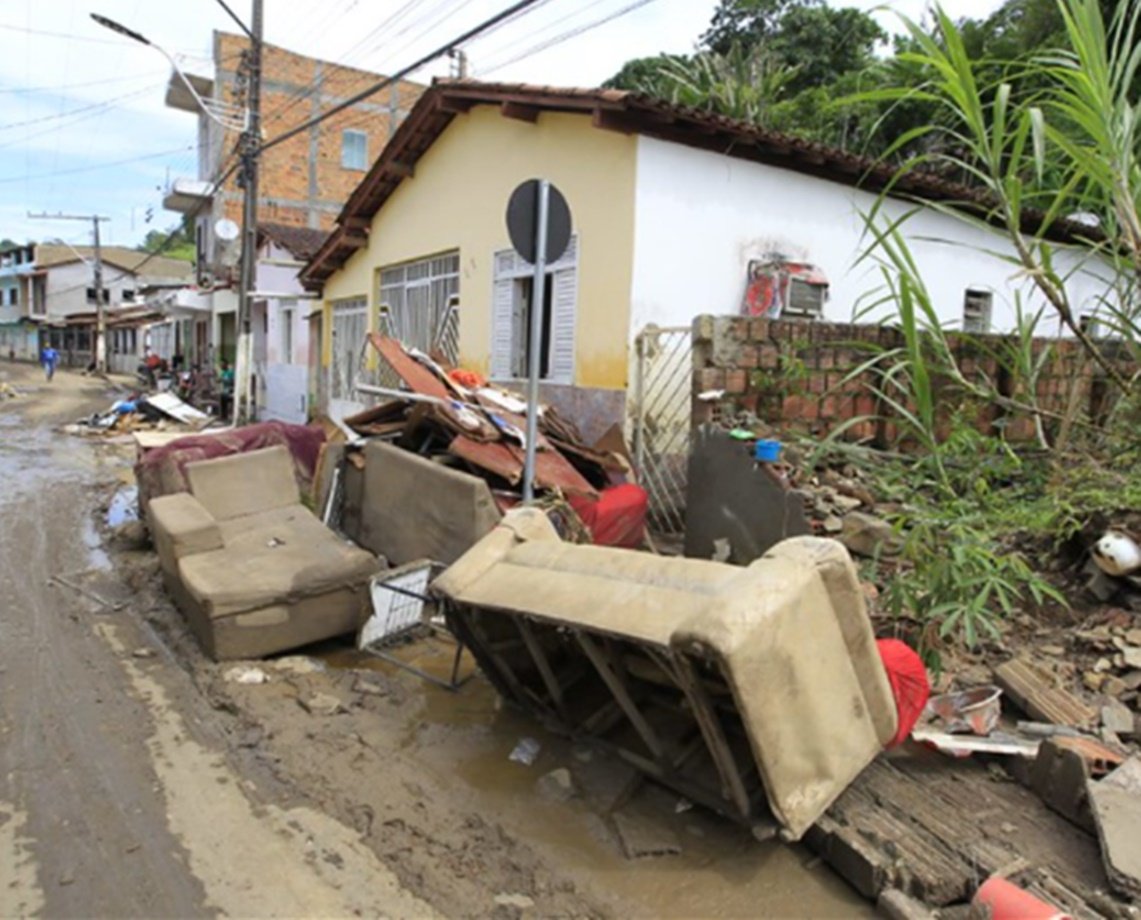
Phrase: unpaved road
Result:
[136,779]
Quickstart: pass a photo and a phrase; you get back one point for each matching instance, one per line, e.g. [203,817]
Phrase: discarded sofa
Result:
[251,568]
[413,508]
[755,691]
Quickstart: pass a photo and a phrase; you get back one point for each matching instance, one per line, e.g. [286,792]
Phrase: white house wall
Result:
[701,217]
[286,376]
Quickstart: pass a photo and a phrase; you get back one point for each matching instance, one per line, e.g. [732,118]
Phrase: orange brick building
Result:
[304,181]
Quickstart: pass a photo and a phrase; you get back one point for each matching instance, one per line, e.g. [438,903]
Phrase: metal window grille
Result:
[805,298]
[977,311]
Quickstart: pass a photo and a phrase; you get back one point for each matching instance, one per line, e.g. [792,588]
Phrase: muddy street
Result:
[141,779]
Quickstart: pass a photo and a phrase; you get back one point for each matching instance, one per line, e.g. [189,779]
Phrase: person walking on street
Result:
[49,358]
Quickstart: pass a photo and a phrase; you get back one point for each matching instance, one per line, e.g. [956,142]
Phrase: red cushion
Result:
[617,517]
[909,684]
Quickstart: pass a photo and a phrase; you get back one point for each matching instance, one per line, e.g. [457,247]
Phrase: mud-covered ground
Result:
[139,778]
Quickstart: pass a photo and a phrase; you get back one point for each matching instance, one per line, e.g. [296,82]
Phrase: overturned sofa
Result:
[251,568]
[755,691]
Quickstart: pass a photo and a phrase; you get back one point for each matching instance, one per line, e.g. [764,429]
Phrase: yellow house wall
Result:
[457,199]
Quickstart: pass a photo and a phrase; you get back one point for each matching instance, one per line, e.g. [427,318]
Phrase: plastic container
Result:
[1006,901]
[975,710]
[767,451]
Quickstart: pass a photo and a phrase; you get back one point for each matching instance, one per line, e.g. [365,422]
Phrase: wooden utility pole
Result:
[99,346]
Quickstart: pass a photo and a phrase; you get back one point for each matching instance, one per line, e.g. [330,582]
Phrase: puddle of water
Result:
[721,871]
[96,555]
[124,506]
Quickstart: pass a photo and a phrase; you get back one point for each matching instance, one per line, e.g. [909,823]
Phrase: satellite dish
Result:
[226,230]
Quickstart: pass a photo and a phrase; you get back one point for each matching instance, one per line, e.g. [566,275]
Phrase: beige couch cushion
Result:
[279,562]
[181,527]
[412,508]
[244,484]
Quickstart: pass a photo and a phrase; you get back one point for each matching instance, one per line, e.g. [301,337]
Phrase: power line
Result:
[84,85]
[108,103]
[400,75]
[70,36]
[319,84]
[97,166]
[170,236]
[572,33]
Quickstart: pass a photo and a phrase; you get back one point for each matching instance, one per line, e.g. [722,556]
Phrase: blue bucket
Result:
[767,451]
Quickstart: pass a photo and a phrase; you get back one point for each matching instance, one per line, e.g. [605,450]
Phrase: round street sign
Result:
[522,215]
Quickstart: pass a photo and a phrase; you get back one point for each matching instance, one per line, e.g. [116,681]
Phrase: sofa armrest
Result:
[181,526]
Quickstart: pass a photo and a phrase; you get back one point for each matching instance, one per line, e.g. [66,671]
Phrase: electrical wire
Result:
[401,74]
[319,84]
[170,236]
[27,30]
[62,86]
[109,103]
[96,167]
[567,36]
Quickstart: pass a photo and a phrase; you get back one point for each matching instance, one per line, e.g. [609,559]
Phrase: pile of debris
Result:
[840,505]
[139,412]
[7,391]
[457,418]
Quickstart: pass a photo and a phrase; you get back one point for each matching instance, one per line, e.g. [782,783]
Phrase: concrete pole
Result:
[538,301]
[100,316]
[251,140]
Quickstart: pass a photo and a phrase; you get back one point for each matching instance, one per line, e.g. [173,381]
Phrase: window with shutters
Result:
[511,317]
[977,310]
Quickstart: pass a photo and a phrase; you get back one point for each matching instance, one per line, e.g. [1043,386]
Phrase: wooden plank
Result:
[543,664]
[1030,688]
[621,694]
[732,785]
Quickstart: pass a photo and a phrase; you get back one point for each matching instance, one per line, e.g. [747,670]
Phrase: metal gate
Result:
[661,421]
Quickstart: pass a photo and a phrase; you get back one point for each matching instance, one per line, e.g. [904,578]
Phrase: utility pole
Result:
[251,142]
[99,346]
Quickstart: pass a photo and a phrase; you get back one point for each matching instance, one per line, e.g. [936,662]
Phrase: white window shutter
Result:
[502,327]
[564,303]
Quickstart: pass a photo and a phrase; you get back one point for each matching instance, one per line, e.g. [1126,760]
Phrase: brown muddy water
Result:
[720,871]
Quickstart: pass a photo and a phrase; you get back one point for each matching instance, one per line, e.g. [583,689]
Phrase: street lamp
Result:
[230,117]
[249,123]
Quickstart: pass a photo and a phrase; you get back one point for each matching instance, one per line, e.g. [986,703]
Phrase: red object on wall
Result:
[617,517]
[909,684]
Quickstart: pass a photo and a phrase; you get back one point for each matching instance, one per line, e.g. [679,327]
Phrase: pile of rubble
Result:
[139,412]
[7,391]
[457,418]
[840,504]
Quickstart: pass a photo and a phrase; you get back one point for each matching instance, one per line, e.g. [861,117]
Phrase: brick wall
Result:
[292,188]
[805,376]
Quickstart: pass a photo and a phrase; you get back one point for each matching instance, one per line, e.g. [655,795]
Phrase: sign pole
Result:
[538,301]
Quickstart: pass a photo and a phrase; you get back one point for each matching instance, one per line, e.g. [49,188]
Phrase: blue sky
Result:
[83,128]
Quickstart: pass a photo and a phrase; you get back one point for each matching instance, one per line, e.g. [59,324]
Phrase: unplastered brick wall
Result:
[812,377]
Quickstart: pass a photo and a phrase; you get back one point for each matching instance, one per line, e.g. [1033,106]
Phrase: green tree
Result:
[645,75]
[820,42]
[175,242]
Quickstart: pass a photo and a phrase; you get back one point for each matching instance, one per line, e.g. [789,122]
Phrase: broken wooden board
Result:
[1031,689]
[418,378]
[1116,805]
[552,470]
[934,828]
